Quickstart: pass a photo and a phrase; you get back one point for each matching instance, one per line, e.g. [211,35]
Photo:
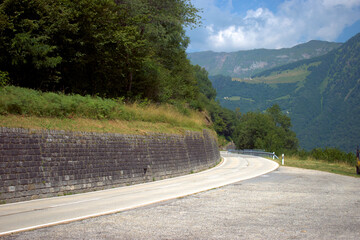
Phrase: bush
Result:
[4,78]
[22,101]
[15,100]
[332,155]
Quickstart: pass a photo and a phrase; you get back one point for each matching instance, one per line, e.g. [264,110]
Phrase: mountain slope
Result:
[243,64]
[321,95]
[335,84]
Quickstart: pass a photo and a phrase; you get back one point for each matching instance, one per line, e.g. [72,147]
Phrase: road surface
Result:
[34,214]
[289,203]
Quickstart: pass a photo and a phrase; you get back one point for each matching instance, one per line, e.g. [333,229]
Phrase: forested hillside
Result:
[333,92]
[244,64]
[132,48]
[321,95]
[110,51]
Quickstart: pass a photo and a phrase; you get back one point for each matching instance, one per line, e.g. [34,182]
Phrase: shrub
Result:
[16,100]
[332,155]
[4,78]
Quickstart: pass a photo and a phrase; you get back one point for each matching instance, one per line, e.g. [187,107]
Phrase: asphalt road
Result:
[29,215]
[288,203]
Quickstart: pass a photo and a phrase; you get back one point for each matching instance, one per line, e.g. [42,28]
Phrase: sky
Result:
[233,25]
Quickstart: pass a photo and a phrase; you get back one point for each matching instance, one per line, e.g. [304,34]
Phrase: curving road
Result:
[34,214]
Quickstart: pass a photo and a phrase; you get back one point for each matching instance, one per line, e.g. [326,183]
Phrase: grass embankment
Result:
[343,168]
[26,108]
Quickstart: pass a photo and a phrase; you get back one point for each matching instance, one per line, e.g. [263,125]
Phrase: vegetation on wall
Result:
[27,108]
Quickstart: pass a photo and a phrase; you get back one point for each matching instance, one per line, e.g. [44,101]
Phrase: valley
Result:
[319,94]
[244,64]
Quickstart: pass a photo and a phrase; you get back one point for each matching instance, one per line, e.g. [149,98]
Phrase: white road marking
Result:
[59,210]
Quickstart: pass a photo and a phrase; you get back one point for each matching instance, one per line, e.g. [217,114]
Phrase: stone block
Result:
[51,162]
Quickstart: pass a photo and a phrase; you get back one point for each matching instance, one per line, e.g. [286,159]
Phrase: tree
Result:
[269,131]
[132,48]
[280,119]
[223,120]
[162,27]
[26,48]
[204,84]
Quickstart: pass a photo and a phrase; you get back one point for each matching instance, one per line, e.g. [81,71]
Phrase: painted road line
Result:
[29,215]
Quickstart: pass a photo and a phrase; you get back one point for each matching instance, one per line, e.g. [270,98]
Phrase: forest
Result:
[132,48]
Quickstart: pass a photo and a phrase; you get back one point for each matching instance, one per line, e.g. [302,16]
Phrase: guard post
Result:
[357,161]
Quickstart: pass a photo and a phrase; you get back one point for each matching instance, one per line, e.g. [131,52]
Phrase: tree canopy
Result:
[269,131]
[132,48]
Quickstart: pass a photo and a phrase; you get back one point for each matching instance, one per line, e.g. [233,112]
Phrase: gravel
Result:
[288,203]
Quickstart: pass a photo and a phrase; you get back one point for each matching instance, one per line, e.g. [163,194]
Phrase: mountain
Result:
[244,64]
[321,95]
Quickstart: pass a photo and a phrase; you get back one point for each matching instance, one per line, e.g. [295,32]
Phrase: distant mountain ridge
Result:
[244,64]
[321,95]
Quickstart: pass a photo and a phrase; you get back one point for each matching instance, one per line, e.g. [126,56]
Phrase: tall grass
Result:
[333,155]
[16,100]
[27,102]
[330,155]
[338,167]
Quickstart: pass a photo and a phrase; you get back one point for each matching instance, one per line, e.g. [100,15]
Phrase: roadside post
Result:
[357,160]
[282,160]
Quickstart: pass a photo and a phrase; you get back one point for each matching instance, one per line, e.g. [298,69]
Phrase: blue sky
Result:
[232,25]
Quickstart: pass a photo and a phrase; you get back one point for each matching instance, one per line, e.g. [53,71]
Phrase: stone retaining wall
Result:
[38,164]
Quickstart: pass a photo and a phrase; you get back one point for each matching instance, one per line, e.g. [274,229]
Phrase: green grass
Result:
[288,76]
[234,98]
[281,77]
[280,98]
[320,165]
[26,108]
[238,98]
[285,77]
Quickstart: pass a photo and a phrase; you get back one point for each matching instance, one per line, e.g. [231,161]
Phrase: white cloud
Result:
[294,21]
[346,3]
